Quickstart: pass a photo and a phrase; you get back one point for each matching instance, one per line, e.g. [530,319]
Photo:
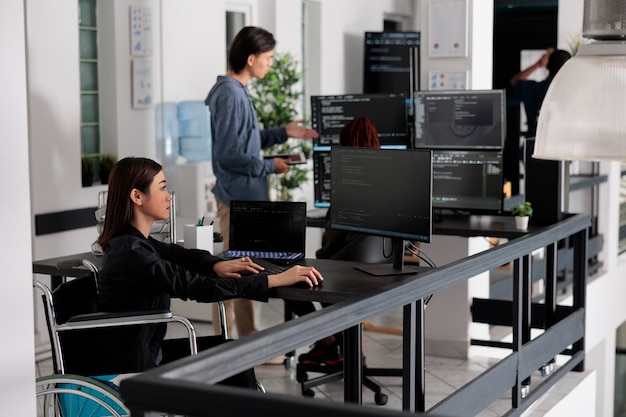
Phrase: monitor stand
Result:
[397,268]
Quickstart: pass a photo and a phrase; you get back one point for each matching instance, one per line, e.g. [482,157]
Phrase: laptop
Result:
[271,230]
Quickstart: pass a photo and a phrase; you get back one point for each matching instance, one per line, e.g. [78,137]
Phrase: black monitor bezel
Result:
[438,208]
[412,39]
[501,93]
[426,237]
[403,141]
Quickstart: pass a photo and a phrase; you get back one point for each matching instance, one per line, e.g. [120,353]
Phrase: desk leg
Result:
[55,281]
[353,365]
[413,358]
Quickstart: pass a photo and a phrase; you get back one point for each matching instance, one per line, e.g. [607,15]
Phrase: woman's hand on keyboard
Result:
[236,268]
[294,275]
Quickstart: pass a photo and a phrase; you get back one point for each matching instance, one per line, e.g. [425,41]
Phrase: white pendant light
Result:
[583,115]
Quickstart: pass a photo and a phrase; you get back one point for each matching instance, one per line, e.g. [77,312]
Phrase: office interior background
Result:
[41,133]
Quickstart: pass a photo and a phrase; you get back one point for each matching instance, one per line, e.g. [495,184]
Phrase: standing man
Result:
[530,92]
[237,142]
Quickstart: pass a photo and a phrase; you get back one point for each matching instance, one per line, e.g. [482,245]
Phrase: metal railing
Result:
[187,386]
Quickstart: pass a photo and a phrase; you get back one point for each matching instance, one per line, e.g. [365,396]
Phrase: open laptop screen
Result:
[268,226]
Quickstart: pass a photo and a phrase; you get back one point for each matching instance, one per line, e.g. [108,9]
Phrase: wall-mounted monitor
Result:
[466,119]
[391,62]
[383,192]
[468,180]
[388,112]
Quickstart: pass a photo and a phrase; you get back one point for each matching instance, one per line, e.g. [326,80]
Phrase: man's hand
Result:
[281,165]
[295,129]
[543,61]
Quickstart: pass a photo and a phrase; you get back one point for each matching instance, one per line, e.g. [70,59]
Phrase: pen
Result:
[200,222]
[211,223]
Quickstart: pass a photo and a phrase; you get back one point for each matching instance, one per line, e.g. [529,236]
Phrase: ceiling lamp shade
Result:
[583,115]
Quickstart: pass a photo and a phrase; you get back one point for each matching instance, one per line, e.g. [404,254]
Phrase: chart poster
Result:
[447,22]
[447,80]
[142,83]
[140,31]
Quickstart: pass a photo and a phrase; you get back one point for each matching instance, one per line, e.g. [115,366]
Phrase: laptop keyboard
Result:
[270,268]
[287,256]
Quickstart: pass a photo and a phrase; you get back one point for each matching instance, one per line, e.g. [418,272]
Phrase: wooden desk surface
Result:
[342,280]
[470,226]
[464,226]
[49,266]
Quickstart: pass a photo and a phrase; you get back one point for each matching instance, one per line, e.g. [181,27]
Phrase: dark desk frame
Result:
[344,282]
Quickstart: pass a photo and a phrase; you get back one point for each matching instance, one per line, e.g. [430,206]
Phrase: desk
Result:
[57,275]
[341,282]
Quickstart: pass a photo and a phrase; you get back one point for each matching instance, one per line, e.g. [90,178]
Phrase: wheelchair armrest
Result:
[121,314]
[132,318]
[99,320]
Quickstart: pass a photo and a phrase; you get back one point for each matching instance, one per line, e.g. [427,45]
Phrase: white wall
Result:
[17,365]
[479,60]
[194,39]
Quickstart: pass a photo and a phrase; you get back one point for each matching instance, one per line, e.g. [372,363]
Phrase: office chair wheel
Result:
[308,392]
[380,399]
[301,376]
[288,362]
[77,396]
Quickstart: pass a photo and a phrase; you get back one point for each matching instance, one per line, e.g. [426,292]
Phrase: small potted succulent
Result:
[522,212]
[218,243]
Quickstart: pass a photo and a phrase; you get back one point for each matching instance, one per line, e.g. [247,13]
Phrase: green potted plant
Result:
[276,99]
[87,171]
[106,163]
[522,212]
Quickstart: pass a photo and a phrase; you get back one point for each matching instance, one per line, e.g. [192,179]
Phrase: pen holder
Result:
[198,237]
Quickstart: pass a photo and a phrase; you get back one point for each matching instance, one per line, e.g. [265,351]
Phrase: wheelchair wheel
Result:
[77,396]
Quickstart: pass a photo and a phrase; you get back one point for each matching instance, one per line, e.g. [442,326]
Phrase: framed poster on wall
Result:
[140,31]
[142,83]
[447,25]
[447,80]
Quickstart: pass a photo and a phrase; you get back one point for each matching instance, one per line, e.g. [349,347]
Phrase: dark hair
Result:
[250,40]
[359,132]
[556,61]
[126,174]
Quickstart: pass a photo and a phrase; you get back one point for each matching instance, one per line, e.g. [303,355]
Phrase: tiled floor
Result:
[443,375]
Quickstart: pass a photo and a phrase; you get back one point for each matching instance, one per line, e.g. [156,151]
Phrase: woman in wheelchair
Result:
[141,273]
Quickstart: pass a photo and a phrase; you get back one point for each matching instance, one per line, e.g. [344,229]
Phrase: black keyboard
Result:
[280,256]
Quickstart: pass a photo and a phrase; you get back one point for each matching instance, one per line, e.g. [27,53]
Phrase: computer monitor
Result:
[321,177]
[391,62]
[468,181]
[383,192]
[388,112]
[466,119]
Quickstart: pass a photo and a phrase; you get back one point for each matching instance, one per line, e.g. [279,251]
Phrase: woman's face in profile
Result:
[156,204]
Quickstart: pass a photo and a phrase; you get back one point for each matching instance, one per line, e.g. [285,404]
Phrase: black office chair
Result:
[366,249]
